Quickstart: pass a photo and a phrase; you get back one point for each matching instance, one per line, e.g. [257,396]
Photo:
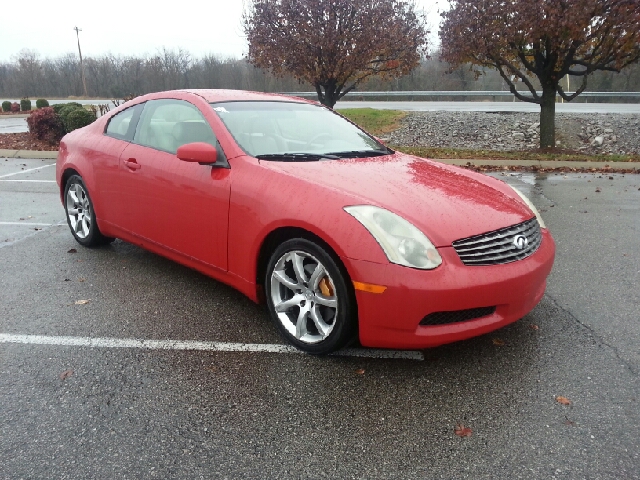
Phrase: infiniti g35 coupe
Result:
[295,206]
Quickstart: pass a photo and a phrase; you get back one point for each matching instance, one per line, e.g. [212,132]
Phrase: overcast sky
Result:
[132,27]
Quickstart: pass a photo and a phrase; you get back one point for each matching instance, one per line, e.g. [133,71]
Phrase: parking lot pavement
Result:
[595,220]
[74,405]
[29,199]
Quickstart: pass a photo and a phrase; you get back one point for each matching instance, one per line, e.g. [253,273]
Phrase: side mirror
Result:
[197,152]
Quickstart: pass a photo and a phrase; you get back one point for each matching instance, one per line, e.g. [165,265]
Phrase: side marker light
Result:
[369,287]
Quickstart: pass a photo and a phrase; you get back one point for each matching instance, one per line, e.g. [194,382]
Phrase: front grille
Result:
[443,318]
[498,247]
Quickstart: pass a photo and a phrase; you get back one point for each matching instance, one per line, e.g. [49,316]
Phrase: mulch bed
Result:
[537,169]
[24,141]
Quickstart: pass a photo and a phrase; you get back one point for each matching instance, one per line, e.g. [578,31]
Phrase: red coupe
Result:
[292,204]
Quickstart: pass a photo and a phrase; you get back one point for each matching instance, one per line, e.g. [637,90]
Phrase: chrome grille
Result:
[497,247]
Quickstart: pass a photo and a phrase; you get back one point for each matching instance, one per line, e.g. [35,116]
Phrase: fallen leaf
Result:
[72,250]
[497,341]
[462,431]
[82,302]
[569,422]
[563,400]
[534,327]
[82,279]
[360,371]
[66,374]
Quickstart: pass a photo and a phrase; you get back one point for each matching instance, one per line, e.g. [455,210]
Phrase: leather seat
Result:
[192,131]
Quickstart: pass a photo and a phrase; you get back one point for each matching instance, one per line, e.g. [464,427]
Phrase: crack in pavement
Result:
[36,232]
[597,336]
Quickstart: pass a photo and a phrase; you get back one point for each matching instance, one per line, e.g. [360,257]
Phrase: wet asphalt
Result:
[13,125]
[134,413]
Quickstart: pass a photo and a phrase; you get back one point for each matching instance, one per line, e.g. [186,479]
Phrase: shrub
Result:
[6,106]
[59,106]
[77,118]
[15,107]
[65,111]
[41,103]
[45,124]
[25,105]
[68,108]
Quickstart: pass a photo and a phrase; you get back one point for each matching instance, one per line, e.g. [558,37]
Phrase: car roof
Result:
[219,95]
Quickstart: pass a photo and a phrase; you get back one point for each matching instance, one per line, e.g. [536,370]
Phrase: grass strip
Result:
[376,122]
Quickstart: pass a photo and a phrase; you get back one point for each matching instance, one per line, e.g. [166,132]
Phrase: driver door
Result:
[181,206]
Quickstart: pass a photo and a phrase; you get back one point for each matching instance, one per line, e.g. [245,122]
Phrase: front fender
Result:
[263,200]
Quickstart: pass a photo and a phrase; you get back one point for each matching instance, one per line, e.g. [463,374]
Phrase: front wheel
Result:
[308,298]
[81,217]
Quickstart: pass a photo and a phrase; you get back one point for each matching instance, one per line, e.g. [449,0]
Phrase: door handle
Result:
[132,164]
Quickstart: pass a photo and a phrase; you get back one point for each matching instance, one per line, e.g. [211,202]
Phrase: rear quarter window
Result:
[122,125]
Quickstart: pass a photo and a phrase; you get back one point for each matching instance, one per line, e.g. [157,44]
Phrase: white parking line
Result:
[29,224]
[26,171]
[196,345]
[32,181]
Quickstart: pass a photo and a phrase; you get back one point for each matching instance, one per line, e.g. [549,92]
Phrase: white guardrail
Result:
[456,93]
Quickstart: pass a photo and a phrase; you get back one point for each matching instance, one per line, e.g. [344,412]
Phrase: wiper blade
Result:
[360,153]
[295,157]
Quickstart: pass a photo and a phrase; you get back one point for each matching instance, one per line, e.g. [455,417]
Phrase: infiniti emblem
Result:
[520,242]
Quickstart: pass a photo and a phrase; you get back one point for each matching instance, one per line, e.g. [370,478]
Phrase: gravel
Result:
[587,133]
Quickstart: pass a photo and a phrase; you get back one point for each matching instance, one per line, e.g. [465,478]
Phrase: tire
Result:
[308,298]
[81,216]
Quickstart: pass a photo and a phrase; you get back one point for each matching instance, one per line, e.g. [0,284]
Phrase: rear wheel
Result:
[81,217]
[308,299]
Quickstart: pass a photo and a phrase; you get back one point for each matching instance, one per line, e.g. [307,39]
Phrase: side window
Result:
[169,124]
[122,125]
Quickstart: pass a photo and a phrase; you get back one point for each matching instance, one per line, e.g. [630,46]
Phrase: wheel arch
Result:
[66,174]
[282,234]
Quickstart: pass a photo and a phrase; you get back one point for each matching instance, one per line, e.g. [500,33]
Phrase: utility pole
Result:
[84,82]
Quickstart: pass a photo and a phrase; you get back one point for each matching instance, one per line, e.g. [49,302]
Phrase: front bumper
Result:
[391,319]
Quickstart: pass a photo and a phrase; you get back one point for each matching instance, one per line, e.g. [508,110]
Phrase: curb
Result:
[546,164]
[33,154]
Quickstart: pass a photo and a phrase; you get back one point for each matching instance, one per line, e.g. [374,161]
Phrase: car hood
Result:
[447,203]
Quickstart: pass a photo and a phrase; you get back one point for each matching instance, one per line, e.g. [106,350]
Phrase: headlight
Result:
[530,205]
[402,242]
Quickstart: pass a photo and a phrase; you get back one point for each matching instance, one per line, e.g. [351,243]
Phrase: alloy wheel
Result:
[304,296]
[79,210]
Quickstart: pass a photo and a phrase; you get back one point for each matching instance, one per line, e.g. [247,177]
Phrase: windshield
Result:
[288,131]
